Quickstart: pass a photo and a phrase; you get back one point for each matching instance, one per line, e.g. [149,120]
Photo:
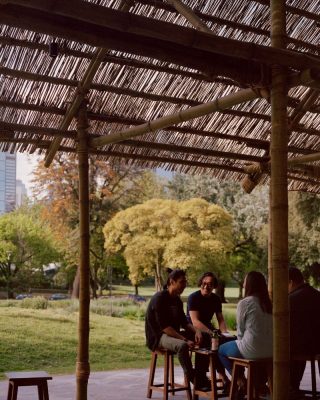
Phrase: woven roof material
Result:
[155,70]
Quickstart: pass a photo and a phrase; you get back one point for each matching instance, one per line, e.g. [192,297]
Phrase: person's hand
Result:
[190,343]
[198,337]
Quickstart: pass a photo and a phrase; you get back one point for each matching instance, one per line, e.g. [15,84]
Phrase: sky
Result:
[25,166]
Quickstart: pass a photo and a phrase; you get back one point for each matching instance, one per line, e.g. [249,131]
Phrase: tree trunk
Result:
[93,283]
[158,280]
[76,285]
[220,290]
[240,290]
[136,290]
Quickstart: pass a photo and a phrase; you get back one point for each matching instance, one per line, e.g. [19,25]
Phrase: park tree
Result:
[304,234]
[112,187]
[250,215]
[26,245]
[158,234]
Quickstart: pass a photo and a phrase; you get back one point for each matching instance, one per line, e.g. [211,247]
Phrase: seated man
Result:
[304,305]
[202,306]
[164,319]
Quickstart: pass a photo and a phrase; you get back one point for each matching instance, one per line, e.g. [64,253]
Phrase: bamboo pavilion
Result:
[224,88]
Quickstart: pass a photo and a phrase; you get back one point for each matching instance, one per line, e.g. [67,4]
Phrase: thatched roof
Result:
[147,61]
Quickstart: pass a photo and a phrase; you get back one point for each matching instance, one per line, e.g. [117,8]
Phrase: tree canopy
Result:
[158,234]
[26,245]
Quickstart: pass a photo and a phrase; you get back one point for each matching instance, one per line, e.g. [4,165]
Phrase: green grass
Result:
[147,291]
[47,339]
[37,334]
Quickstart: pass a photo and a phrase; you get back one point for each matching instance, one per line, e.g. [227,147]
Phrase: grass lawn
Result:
[231,293]
[47,339]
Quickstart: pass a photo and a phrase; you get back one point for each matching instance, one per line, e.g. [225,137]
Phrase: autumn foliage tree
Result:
[157,234]
[111,188]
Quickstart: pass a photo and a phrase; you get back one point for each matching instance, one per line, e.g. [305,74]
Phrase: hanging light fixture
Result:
[53,49]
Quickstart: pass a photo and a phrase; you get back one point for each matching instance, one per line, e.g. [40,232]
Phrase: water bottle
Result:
[215,341]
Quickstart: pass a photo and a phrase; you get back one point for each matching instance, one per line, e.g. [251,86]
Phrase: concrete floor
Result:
[110,385]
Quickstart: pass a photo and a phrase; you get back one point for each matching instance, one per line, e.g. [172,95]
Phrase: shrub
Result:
[37,303]
[230,319]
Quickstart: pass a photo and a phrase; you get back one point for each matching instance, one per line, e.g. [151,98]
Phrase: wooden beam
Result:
[99,87]
[184,115]
[9,129]
[304,159]
[294,10]
[250,142]
[110,28]
[231,24]
[192,150]
[138,25]
[119,60]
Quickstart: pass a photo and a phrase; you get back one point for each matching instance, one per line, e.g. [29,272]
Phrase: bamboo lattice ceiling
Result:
[146,62]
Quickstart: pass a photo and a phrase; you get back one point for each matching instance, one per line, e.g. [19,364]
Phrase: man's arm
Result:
[221,322]
[194,315]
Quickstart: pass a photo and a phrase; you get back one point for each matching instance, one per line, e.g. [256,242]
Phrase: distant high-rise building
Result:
[21,192]
[7,182]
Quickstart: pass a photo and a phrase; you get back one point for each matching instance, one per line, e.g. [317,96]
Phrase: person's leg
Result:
[201,361]
[181,348]
[226,350]
[296,373]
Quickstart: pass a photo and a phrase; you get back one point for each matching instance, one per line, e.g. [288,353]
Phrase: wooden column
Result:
[83,366]
[279,208]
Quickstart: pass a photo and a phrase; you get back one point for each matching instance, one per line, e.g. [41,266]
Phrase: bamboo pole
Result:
[279,208]
[83,365]
[304,159]
[185,115]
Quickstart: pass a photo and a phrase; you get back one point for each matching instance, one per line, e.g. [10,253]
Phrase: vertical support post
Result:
[279,207]
[83,366]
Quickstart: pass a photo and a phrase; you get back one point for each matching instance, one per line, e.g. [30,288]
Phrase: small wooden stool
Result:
[253,367]
[168,385]
[312,359]
[213,393]
[33,378]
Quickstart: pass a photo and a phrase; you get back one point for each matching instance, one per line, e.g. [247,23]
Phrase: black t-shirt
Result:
[304,304]
[163,311]
[206,307]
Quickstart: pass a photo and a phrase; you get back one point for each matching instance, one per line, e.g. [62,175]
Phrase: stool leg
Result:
[9,397]
[234,379]
[250,384]
[313,379]
[14,391]
[214,394]
[171,372]
[45,391]
[40,391]
[166,376]
[153,365]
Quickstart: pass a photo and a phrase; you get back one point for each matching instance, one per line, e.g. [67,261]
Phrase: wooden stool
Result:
[253,368]
[168,385]
[312,359]
[33,378]
[213,394]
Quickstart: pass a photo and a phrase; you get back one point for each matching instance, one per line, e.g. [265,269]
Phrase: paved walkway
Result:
[109,385]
